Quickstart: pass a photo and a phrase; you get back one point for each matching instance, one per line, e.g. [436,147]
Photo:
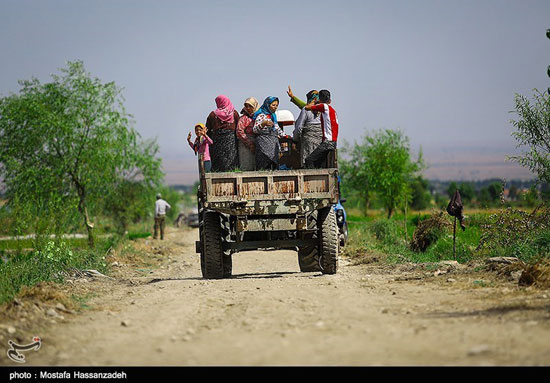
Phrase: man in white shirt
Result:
[161,207]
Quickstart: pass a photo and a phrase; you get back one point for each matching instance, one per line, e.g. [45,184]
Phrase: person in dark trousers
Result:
[161,208]
[307,129]
[329,127]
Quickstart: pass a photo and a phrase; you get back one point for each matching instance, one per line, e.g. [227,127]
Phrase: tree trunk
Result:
[89,228]
[367,201]
[84,211]
[405,223]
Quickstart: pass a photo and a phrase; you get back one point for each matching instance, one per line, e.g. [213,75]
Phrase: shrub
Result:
[536,273]
[419,218]
[428,232]
[514,232]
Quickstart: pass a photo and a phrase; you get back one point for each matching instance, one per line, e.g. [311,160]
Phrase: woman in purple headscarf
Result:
[221,124]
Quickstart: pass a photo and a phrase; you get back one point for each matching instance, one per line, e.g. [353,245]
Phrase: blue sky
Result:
[445,72]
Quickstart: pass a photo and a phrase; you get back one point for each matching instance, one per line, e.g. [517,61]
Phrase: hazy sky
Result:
[445,72]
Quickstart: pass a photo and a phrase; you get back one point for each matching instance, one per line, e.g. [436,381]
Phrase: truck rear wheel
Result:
[308,256]
[227,258]
[212,253]
[329,241]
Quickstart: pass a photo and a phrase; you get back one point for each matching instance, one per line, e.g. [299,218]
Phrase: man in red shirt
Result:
[329,126]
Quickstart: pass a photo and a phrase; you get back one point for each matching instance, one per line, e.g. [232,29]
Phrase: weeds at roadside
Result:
[516,233]
[536,273]
[50,261]
[507,232]
[428,232]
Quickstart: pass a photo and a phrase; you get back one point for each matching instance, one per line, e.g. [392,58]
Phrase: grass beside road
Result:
[22,264]
[489,233]
[27,261]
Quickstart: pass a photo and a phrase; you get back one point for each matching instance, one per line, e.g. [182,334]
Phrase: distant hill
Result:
[464,162]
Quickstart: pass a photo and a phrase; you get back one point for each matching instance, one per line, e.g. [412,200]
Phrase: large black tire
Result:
[308,256]
[329,241]
[201,239]
[212,253]
[227,265]
[227,257]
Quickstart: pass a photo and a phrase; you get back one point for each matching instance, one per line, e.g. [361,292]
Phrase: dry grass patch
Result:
[536,274]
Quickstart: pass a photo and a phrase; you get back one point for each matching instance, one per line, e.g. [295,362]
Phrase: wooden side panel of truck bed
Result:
[271,185]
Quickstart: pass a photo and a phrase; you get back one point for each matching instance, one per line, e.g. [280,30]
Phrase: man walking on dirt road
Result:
[161,207]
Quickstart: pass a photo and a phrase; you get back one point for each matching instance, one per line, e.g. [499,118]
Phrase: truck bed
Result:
[269,192]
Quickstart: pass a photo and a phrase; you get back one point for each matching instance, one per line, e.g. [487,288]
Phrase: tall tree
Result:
[70,141]
[533,133]
[382,163]
[354,172]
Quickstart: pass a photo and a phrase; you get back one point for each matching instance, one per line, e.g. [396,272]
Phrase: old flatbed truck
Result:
[279,209]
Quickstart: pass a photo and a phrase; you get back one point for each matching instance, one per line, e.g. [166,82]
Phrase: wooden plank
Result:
[285,185]
[224,187]
[316,183]
[271,185]
[253,186]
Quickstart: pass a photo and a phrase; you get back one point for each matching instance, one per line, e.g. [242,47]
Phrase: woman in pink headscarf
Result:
[221,124]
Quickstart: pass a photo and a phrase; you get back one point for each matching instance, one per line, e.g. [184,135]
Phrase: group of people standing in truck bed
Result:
[250,141]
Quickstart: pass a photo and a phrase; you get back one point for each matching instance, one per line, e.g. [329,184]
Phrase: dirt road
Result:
[271,314]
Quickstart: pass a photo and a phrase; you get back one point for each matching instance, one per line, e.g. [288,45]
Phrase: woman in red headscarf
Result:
[221,124]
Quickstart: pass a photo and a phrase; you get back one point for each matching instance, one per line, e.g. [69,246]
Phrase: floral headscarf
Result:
[225,109]
[312,95]
[264,109]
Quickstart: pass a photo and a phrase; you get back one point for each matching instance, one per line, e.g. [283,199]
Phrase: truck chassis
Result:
[281,209]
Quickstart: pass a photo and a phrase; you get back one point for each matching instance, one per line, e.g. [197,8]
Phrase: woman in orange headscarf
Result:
[245,135]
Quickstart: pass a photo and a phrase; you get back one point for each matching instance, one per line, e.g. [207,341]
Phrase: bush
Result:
[514,232]
[542,241]
[419,218]
[428,232]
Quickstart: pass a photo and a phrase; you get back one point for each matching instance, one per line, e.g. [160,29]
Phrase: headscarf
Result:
[252,101]
[225,109]
[312,95]
[198,140]
[264,109]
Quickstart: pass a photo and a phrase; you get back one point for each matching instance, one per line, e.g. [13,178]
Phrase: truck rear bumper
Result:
[268,223]
[259,245]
